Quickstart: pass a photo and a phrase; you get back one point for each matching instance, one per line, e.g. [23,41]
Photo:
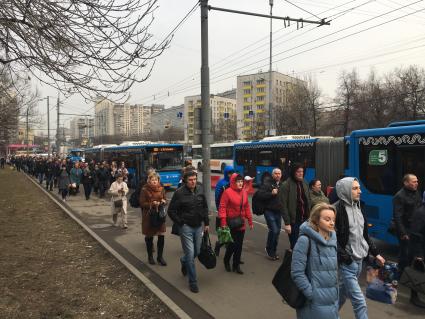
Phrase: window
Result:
[377,168]
[260,81]
[197,153]
[247,91]
[246,83]
[260,98]
[260,90]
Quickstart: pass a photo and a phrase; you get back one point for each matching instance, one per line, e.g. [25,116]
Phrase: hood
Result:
[233,181]
[343,189]
[305,229]
[227,170]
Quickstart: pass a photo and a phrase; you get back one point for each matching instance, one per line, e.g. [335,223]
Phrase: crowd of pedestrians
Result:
[329,242]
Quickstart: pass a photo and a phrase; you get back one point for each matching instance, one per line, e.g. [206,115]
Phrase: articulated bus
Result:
[378,158]
[166,159]
[221,155]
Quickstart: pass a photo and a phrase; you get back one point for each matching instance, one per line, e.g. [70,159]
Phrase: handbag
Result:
[284,284]
[238,221]
[206,255]
[155,220]
[118,203]
[175,229]
[414,278]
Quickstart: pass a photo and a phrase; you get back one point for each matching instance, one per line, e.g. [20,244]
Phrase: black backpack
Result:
[258,206]
[134,198]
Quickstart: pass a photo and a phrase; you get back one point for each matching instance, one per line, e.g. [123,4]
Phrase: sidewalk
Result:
[51,268]
[222,294]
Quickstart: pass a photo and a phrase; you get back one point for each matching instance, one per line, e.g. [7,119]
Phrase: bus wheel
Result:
[199,167]
[223,166]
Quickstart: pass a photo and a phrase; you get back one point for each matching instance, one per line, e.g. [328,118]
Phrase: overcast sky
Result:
[363,38]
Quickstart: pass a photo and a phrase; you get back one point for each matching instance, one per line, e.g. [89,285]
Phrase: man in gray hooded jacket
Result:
[354,244]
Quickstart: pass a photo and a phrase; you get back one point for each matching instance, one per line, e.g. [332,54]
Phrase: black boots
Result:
[238,270]
[149,248]
[160,246]
[414,299]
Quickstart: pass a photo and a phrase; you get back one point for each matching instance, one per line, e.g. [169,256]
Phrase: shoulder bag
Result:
[238,221]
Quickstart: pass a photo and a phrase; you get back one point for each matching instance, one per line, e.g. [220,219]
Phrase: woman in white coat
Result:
[119,190]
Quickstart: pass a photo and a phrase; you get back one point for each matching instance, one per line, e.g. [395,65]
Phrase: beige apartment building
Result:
[222,109]
[122,118]
[255,117]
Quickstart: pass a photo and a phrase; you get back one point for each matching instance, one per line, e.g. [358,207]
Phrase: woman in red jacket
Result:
[234,210]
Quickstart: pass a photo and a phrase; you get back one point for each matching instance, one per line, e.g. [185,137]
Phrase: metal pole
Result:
[27,135]
[57,129]
[270,70]
[205,101]
[48,128]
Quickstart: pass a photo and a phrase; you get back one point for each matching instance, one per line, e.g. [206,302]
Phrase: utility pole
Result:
[270,71]
[48,128]
[57,128]
[27,131]
[205,102]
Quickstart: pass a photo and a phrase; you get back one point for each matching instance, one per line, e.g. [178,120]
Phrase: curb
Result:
[180,313]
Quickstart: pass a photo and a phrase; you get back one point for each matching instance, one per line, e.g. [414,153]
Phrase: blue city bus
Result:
[166,159]
[378,158]
[76,155]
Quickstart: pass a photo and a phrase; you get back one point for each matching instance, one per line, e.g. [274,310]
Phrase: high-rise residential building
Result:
[222,109]
[255,117]
[82,127]
[123,119]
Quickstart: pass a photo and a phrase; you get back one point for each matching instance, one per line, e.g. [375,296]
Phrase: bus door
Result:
[411,160]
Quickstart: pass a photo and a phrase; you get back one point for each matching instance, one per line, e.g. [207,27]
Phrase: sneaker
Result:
[194,288]
[125,227]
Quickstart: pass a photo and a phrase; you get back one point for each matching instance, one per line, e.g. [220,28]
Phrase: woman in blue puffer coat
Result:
[314,267]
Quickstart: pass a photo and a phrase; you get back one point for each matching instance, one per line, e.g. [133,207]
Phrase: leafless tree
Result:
[224,131]
[79,46]
[347,93]
[17,101]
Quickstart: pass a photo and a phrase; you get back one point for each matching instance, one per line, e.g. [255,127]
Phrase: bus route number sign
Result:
[378,157]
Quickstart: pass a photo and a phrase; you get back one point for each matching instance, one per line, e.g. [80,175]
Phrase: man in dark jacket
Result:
[103,178]
[189,209]
[405,202]
[417,246]
[353,244]
[294,196]
[268,194]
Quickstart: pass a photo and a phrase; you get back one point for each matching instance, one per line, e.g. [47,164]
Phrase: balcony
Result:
[260,85]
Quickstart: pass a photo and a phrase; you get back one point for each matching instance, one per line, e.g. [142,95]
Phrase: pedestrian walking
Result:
[102,177]
[188,209]
[2,162]
[76,174]
[417,246]
[87,180]
[405,202]
[295,198]
[314,267]
[233,212]
[220,187]
[119,190]
[49,172]
[316,194]
[64,182]
[152,197]
[354,244]
[268,194]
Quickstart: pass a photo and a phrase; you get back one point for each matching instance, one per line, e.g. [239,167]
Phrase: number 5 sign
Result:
[378,157]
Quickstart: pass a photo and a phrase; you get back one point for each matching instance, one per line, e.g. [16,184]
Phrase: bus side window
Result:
[377,169]
[411,161]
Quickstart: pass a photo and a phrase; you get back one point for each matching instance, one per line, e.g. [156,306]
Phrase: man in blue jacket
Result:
[222,184]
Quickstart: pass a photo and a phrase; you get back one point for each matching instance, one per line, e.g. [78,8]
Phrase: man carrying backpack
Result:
[221,186]
[268,194]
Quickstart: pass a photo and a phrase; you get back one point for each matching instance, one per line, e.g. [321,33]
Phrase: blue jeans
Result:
[191,238]
[274,224]
[349,287]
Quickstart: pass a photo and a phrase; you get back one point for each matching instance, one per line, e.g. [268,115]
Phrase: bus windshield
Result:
[166,161]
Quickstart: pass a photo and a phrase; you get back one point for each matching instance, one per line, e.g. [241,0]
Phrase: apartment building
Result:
[82,128]
[255,108]
[222,109]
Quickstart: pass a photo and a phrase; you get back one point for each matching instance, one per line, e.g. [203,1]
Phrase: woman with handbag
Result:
[314,267]
[233,211]
[119,190]
[152,202]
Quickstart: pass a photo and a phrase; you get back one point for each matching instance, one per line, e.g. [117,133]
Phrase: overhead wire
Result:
[310,49]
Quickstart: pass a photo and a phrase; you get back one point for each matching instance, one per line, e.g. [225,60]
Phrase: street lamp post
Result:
[226,118]
[270,70]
